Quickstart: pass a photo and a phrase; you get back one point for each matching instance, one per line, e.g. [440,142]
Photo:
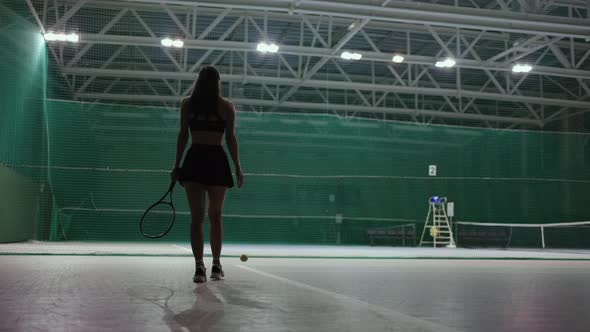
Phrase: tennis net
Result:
[574,235]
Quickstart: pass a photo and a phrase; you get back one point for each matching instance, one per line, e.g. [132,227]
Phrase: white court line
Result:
[396,316]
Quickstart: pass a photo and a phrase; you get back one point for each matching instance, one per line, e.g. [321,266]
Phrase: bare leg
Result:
[216,199]
[196,201]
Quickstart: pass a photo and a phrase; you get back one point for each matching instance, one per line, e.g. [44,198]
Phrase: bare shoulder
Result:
[227,103]
[228,107]
[184,101]
[183,104]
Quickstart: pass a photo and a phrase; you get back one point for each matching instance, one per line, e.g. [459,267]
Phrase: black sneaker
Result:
[200,274]
[217,272]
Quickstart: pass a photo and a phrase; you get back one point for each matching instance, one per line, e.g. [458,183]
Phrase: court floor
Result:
[131,293]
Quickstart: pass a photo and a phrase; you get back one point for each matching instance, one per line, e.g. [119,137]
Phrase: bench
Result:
[405,233]
[483,238]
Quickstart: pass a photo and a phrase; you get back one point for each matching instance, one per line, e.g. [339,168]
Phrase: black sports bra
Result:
[206,124]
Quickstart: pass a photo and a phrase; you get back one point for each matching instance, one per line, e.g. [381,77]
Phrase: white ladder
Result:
[439,228]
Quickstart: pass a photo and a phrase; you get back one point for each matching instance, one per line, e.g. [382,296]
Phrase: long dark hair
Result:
[205,94]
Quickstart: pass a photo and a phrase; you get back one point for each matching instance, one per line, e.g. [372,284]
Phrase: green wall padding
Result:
[17,206]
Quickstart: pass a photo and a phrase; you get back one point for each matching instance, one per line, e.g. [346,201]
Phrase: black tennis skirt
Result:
[207,165]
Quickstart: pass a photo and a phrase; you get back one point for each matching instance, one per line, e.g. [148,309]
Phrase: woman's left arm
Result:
[183,134]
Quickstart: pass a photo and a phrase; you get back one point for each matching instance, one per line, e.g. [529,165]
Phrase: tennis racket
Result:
[158,219]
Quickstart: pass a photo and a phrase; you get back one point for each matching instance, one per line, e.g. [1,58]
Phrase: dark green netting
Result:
[109,162]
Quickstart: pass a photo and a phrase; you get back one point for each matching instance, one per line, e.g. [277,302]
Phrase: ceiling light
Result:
[50,36]
[60,36]
[177,43]
[397,58]
[267,48]
[73,38]
[447,63]
[351,56]
[167,42]
[521,68]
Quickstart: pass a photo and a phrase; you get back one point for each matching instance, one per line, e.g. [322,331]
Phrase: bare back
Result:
[225,111]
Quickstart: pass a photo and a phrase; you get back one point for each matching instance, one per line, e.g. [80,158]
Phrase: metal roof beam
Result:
[322,106]
[285,17]
[333,85]
[326,53]
[416,13]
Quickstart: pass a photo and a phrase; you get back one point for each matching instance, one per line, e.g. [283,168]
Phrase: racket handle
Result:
[172,184]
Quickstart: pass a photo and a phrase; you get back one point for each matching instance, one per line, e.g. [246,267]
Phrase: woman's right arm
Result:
[232,143]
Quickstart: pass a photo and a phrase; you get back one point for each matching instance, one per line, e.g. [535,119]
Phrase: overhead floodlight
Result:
[73,38]
[167,42]
[177,43]
[397,58]
[267,48]
[50,36]
[273,48]
[351,56]
[521,68]
[62,37]
[447,63]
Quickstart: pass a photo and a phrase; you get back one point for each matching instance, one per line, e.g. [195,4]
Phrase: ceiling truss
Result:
[486,38]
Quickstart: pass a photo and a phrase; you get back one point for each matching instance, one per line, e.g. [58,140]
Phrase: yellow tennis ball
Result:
[243,258]
[433,231]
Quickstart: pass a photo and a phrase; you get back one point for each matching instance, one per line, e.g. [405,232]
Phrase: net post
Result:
[456,234]
[543,236]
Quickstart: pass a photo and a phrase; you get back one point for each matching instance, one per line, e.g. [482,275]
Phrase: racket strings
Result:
[157,220]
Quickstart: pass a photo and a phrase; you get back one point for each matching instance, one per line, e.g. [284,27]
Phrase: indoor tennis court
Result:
[409,165]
